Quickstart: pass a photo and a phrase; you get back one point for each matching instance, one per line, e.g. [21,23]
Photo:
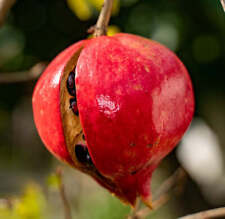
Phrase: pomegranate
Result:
[114,107]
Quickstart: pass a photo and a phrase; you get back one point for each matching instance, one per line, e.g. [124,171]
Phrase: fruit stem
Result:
[5,6]
[223,4]
[67,210]
[103,19]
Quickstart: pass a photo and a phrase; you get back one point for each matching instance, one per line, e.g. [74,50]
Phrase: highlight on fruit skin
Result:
[113,108]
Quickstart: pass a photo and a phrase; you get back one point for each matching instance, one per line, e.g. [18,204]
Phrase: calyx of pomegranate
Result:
[114,107]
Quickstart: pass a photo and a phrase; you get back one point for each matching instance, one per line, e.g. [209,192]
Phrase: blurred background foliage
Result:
[36,30]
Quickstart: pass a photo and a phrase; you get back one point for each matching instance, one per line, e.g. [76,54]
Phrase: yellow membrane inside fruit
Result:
[71,123]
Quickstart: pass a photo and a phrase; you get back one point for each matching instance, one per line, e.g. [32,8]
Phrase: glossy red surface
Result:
[46,105]
[135,101]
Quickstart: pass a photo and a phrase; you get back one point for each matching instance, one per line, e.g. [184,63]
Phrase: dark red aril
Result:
[82,154]
[73,106]
[71,84]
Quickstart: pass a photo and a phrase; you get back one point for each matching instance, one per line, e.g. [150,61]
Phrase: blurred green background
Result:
[36,30]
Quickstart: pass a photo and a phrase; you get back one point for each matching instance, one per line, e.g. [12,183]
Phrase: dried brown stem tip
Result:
[161,196]
[103,19]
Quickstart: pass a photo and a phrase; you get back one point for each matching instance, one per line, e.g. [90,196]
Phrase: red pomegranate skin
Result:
[135,100]
[46,105]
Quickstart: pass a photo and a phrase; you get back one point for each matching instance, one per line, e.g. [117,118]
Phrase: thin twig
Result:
[103,19]
[67,210]
[213,213]
[161,196]
[170,183]
[23,76]
[223,4]
[6,203]
[5,6]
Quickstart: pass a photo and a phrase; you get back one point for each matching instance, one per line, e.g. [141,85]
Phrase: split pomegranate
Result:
[114,107]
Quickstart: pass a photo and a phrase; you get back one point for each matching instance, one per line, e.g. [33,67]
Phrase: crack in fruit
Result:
[73,132]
